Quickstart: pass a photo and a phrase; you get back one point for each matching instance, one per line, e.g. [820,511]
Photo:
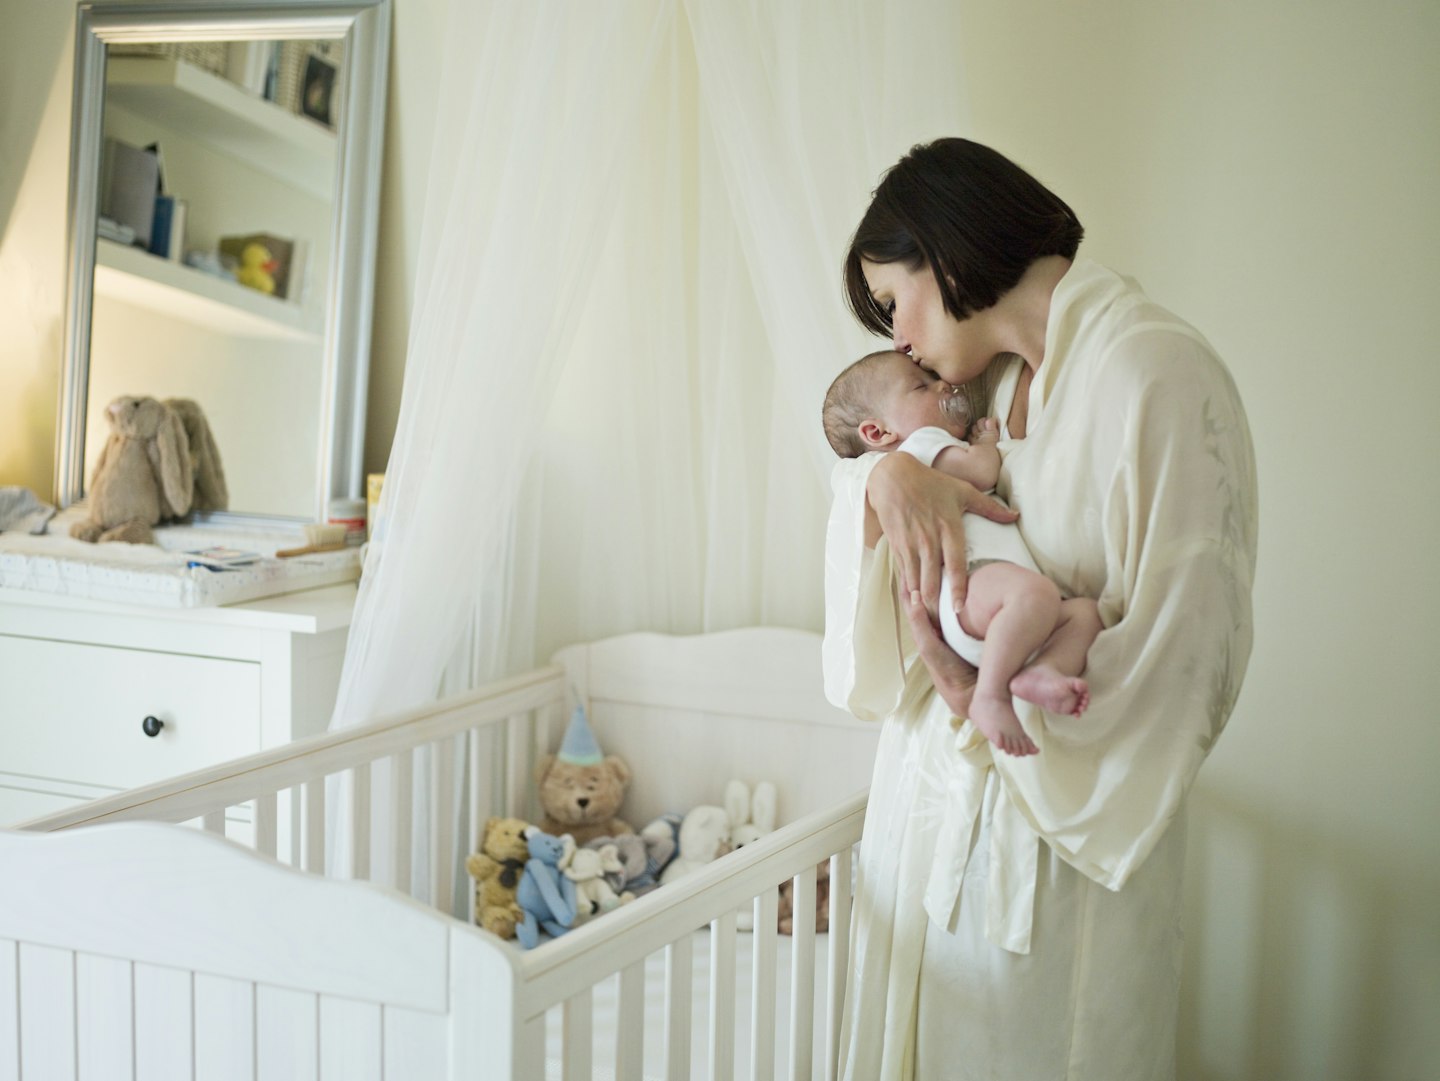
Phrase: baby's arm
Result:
[977,462]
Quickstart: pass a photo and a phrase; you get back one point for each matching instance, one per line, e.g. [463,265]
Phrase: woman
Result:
[1018,918]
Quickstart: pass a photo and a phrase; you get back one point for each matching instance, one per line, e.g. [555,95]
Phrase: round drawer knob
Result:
[152,726]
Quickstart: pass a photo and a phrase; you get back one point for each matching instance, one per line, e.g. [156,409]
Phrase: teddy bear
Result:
[704,836]
[752,815]
[545,896]
[496,869]
[147,470]
[785,921]
[588,869]
[580,789]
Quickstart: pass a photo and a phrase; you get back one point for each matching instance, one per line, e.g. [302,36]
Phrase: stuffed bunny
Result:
[751,815]
[210,492]
[704,836]
[144,474]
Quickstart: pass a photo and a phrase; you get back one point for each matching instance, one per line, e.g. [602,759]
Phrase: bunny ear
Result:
[762,806]
[737,802]
[177,475]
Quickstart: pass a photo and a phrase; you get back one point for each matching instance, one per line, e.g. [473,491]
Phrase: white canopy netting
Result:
[628,307]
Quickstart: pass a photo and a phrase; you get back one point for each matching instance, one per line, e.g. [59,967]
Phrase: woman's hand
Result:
[919,510]
[953,676]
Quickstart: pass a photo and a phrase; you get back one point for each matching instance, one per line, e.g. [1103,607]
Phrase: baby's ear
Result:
[876,436]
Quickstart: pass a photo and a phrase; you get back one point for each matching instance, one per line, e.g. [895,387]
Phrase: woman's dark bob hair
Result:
[972,215]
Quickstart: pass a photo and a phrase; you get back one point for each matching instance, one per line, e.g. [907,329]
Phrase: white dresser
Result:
[98,697]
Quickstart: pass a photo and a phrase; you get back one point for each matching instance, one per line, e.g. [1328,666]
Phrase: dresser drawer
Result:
[76,711]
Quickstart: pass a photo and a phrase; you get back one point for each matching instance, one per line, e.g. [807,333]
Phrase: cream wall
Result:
[1270,171]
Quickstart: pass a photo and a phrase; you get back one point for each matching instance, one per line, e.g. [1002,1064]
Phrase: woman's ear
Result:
[876,436]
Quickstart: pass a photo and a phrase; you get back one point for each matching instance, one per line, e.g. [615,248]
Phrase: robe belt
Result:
[1014,847]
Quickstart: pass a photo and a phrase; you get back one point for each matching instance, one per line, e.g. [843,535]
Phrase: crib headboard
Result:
[688,713]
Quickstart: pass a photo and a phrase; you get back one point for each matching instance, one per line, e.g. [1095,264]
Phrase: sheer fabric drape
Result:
[627,309]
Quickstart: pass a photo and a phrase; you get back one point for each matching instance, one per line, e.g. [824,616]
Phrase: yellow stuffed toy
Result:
[496,870]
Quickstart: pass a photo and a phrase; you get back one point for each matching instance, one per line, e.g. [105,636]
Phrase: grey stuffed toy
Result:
[146,473]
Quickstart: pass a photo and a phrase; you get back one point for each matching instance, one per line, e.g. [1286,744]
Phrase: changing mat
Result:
[160,575]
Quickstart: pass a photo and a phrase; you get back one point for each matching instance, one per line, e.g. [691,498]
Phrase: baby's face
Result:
[912,398]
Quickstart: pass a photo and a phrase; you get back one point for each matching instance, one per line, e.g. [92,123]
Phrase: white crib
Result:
[136,949]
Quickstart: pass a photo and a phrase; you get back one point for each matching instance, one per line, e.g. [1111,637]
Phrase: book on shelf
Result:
[129,182]
[167,232]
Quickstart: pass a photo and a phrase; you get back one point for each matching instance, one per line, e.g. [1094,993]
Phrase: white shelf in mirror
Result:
[181,292]
[292,148]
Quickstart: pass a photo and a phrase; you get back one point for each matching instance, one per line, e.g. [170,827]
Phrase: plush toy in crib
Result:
[752,816]
[643,856]
[580,789]
[496,869]
[785,922]
[704,836]
[588,868]
[546,897]
[147,471]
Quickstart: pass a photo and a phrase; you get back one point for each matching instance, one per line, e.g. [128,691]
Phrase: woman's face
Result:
[953,349]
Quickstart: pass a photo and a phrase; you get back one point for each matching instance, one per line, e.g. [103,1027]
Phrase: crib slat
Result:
[349,1040]
[360,822]
[9,1012]
[722,998]
[630,1024]
[839,931]
[224,1028]
[802,980]
[577,1040]
[402,789]
[214,822]
[315,826]
[518,758]
[416,1044]
[442,851]
[762,1000]
[164,1031]
[266,824]
[104,1008]
[287,1027]
[47,1013]
[496,780]
[679,963]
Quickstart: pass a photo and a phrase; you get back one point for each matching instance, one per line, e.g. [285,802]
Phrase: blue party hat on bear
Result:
[579,747]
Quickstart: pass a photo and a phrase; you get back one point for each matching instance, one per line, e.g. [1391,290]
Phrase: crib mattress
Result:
[159,575]
[605,1012]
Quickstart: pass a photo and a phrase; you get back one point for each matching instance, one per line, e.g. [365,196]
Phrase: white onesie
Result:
[985,542]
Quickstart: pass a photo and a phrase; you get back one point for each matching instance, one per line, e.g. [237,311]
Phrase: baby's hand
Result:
[986,430]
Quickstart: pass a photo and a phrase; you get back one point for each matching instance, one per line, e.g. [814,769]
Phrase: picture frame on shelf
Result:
[317,90]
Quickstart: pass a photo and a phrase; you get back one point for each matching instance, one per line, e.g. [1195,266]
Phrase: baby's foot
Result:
[995,717]
[1051,690]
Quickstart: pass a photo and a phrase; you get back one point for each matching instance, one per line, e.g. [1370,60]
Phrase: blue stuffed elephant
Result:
[546,896]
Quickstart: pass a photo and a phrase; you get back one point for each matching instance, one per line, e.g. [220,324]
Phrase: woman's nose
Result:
[902,345]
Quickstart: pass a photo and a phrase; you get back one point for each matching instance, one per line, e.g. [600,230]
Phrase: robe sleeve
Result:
[1179,527]
[861,652]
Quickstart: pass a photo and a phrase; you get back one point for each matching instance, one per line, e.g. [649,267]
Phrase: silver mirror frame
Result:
[365,26]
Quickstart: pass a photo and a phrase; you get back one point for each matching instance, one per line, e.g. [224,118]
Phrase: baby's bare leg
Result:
[1014,611]
[1052,680]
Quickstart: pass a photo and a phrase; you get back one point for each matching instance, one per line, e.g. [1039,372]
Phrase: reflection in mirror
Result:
[225,187]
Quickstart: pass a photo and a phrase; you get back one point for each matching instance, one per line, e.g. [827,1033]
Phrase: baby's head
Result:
[884,398]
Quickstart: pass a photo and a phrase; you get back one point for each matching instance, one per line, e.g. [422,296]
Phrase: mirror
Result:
[260,125]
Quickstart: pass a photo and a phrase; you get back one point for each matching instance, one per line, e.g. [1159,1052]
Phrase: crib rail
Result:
[275,801]
[563,973]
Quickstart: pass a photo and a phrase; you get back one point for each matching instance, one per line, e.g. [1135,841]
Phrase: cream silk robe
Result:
[1018,918]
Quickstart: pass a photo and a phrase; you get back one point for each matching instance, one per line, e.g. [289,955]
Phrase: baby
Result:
[1035,642]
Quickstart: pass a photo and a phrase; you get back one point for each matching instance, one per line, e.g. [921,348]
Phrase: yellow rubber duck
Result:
[257,268]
